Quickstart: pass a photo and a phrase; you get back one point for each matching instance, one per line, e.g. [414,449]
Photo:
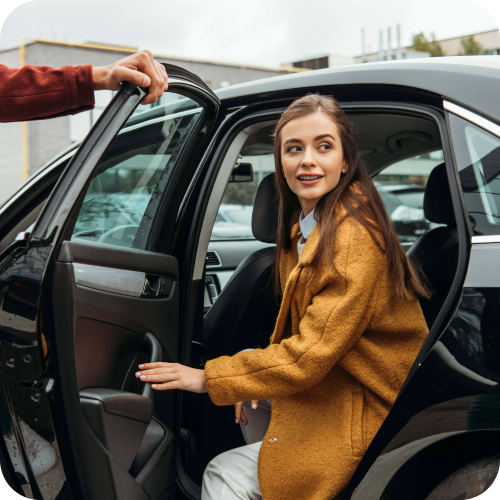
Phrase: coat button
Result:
[272,440]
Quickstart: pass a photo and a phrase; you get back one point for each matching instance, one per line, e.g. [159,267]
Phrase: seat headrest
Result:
[438,206]
[265,211]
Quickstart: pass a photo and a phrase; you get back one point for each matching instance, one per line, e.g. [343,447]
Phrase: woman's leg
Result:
[258,421]
[233,475]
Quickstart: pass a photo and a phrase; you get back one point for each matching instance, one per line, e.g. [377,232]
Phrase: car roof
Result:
[470,80]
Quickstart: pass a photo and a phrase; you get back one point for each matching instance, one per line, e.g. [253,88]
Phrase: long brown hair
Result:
[363,204]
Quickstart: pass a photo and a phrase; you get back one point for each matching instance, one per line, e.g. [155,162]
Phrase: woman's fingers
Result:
[167,386]
[172,376]
[160,364]
[244,418]
[167,376]
[255,403]
[240,414]
[237,411]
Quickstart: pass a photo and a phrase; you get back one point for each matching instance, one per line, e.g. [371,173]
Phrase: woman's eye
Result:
[325,147]
[292,149]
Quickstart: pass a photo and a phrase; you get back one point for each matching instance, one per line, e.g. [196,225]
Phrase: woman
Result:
[349,327]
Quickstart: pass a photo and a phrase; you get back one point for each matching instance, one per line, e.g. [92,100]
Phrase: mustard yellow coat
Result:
[341,349]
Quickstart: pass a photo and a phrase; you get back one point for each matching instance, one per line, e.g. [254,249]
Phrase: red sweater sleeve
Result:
[38,92]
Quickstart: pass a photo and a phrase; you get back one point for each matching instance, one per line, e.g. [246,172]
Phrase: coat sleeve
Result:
[39,92]
[335,320]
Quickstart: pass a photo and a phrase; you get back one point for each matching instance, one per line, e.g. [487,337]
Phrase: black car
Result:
[106,262]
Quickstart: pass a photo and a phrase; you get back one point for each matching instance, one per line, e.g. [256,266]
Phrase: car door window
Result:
[234,218]
[402,187]
[126,188]
[477,153]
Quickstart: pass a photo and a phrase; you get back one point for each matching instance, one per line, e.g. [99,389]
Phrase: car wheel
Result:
[467,482]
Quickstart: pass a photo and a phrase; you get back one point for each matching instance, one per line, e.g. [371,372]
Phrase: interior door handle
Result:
[152,348]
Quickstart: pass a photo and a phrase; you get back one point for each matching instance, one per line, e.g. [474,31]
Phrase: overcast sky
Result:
[261,32]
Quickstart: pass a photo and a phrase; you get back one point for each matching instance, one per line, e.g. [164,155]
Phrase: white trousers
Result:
[233,474]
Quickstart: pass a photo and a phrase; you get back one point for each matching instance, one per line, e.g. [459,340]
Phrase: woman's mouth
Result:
[309,179]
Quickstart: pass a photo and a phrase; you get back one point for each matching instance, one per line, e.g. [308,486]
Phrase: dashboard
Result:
[223,257]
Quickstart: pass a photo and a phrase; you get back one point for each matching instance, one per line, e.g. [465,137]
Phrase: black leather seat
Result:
[246,310]
[437,250]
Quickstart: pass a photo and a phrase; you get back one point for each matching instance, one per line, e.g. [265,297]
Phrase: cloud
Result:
[263,32]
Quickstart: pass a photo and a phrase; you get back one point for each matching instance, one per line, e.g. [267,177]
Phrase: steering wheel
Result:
[128,236]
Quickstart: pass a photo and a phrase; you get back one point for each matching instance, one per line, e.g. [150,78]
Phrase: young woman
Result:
[349,327]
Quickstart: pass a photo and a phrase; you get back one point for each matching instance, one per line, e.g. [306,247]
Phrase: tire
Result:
[468,482]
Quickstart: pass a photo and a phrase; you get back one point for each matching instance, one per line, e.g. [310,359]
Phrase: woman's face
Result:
[311,157]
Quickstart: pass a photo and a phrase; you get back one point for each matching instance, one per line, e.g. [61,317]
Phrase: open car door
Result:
[89,294]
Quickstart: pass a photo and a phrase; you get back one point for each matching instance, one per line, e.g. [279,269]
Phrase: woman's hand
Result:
[240,414]
[172,376]
[140,68]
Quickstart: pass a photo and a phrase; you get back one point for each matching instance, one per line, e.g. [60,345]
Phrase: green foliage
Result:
[471,47]
[420,42]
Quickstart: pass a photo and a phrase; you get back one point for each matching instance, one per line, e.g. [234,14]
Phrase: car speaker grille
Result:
[212,260]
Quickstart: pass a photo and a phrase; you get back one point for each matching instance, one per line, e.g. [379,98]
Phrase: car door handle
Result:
[152,348]
[157,286]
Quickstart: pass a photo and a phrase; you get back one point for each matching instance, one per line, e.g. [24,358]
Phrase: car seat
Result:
[245,312]
[437,250]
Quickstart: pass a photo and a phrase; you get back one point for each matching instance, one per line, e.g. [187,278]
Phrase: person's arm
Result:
[35,92]
[337,318]
[40,92]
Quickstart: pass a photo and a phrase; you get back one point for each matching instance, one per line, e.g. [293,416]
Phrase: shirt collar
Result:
[307,224]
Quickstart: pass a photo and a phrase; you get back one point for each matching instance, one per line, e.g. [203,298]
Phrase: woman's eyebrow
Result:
[322,136]
[292,140]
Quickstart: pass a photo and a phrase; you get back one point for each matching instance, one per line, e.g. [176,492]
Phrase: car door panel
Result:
[109,328]
[91,311]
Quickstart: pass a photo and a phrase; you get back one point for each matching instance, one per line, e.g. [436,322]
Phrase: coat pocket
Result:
[358,427]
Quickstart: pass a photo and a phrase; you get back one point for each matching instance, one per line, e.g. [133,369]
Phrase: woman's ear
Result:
[345,167]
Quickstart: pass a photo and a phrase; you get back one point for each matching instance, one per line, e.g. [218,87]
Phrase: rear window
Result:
[477,153]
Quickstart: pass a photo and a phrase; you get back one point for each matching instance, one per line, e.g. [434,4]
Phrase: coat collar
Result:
[290,270]
[309,248]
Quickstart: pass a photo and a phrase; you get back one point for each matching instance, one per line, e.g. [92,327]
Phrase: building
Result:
[321,62]
[489,40]
[26,147]
[335,61]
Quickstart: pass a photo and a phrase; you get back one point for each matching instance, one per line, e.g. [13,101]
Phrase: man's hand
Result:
[172,376]
[140,68]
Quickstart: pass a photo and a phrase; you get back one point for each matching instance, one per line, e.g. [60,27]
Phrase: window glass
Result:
[128,183]
[234,219]
[477,153]
[402,187]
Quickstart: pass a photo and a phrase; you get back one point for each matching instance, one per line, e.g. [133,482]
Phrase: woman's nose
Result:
[308,158]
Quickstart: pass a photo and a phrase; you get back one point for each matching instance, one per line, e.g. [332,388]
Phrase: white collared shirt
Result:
[306,227]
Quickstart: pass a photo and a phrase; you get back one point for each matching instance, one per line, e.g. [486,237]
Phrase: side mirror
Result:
[243,172]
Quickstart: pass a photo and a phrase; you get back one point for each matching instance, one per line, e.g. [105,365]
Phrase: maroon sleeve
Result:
[38,92]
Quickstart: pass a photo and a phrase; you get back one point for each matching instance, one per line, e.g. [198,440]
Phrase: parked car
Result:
[106,262]
[233,221]
[404,204]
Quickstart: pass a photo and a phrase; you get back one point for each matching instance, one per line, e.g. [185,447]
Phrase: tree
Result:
[421,43]
[471,47]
